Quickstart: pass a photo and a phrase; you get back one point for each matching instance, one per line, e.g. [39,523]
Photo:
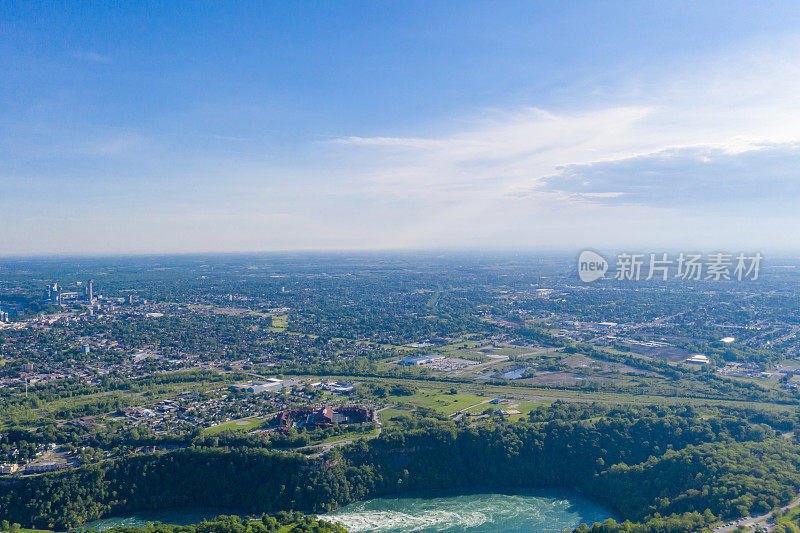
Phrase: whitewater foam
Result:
[528,511]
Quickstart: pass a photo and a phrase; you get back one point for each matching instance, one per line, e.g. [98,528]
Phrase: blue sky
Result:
[220,126]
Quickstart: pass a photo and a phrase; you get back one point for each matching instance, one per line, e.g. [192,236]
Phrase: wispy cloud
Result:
[231,138]
[117,144]
[737,115]
[502,150]
[688,177]
[94,57]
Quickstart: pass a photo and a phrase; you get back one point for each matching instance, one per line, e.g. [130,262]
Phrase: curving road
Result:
[765,521]
[324,448]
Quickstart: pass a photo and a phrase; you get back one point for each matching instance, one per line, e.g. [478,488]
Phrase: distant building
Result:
[420,359]
[45,467]
[270,385]
[138,412]
[326,416]
[8,468]
[727,340]
[698,359]
[52,292]
[341,387]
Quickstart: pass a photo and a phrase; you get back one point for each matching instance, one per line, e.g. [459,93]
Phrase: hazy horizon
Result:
[417,253]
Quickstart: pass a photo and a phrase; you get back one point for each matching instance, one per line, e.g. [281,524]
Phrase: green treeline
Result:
[284,522]
[654,466]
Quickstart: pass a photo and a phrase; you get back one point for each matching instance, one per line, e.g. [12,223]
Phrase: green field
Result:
[280,322]
[790,517]
[388,414]
[243,424]
[546,394]
[524,407]
[443,402]
[346,435]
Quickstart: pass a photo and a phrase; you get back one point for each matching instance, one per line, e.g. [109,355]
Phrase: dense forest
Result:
[654,466]
[283,522]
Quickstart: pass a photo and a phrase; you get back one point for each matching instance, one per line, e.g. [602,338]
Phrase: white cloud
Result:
[738,104]
[94,57]
[768,175]
[640,169]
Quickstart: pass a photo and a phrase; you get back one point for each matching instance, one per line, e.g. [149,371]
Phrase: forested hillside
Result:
[647,463]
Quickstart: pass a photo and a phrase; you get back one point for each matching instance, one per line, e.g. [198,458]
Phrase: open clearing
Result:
[547,394]
[245,424]
[442,402]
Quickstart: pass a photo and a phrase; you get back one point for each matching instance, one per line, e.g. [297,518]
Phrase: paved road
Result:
[765,520]
[324,448]
[479,366]
[460,413]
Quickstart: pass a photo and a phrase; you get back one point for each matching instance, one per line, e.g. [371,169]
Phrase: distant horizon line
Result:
[556,250]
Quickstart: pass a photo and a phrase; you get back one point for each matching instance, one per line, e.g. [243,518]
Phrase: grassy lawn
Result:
[388,414]
[243,424]
[551,394]
[280,322]
[462,345]
[348,435]
[465,353]
[524,407]
[442,402]
[789,517]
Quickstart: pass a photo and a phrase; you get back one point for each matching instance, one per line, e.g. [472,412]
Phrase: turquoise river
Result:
[512,511]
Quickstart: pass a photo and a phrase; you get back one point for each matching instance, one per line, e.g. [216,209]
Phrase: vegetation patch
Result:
[246,424]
